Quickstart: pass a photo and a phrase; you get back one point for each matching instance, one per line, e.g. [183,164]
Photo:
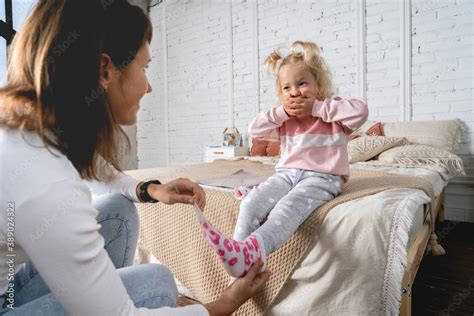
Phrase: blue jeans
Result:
[119,220]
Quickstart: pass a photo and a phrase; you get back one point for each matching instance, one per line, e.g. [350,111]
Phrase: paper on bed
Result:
[237,179]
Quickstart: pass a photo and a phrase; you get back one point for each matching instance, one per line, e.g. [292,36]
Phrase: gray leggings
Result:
[288,198]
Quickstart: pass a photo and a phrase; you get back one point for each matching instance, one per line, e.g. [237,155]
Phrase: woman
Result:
[76,72]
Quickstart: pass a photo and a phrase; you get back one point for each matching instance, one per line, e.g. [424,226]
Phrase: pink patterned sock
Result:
[242,191]
[236,256]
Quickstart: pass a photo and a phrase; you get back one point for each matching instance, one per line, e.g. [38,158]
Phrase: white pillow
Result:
[424,155]
[440,134]
[365,147]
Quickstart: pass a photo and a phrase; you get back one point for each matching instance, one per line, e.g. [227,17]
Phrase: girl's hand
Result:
[181,190]
[299,106]
[287,106]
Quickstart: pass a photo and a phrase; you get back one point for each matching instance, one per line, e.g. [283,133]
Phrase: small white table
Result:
[225,152]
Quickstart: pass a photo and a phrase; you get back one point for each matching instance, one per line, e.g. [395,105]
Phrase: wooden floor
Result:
[445,285]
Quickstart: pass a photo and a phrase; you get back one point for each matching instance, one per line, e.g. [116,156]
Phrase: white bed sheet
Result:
[355,266]
[438,180]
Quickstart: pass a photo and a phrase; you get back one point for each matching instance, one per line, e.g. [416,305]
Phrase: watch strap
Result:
[144,196]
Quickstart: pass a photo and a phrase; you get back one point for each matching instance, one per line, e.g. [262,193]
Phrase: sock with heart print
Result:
[236,256]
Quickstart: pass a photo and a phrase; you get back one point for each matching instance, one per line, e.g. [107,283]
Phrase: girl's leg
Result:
[259,202]
[236,256]
[119,219]
[239,254]
[313,190]
[150,285]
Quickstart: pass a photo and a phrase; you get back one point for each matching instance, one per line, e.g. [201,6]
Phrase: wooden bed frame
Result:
[417,251]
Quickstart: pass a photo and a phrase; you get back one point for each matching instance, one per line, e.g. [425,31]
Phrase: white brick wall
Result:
[244,55]
[151,132]
[383,59]
[442,38]
[129,160]
[198,70]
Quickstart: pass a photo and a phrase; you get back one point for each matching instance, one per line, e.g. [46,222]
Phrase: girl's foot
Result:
[242,191]
[236,256]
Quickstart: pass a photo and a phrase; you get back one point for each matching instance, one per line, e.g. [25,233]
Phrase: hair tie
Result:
[278,64]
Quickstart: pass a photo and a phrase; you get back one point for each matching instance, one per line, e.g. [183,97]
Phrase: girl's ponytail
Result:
[273,62]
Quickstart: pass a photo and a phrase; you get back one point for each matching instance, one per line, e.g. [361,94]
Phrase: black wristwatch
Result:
[144,196]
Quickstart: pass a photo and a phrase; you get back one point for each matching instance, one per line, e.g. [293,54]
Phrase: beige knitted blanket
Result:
[172,234]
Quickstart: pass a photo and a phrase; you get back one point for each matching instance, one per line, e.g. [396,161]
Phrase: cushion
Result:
[259,148]
[445,134]
[265,148]
[368,128]
[366,147]
[273,148]
[375,130]
[424,155]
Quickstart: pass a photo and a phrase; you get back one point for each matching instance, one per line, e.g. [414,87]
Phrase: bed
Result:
[361,257]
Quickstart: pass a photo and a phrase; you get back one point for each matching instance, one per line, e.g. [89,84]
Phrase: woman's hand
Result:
[181,190]
[239,291]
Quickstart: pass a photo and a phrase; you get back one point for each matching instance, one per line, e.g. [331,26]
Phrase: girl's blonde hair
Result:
[309,54]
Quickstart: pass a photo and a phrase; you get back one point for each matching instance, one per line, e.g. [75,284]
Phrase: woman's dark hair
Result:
[53,76]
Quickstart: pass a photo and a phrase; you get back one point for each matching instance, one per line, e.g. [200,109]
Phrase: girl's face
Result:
[297,81]
[127,87]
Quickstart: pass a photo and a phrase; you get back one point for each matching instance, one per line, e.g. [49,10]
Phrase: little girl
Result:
[312,125]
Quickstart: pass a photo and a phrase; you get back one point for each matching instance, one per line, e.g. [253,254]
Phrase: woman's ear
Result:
[107,71]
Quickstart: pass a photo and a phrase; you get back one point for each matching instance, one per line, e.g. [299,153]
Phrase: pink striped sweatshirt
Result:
[317,142]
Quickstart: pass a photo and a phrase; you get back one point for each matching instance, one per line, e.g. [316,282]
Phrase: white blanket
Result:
[356,263]
[355,266]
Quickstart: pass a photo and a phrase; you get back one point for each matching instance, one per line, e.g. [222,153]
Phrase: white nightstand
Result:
[224,152]
[459,199]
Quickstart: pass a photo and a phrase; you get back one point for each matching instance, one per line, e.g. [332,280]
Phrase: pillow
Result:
[265,148]
[375,130]
[424,155]
[259,148]
[273,148]
[366,147]
[369,128]
[441,134]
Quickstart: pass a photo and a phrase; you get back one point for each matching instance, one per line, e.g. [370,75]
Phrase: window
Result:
[3,42]
[12,16]
[21,8]
[3,60]
[2,10]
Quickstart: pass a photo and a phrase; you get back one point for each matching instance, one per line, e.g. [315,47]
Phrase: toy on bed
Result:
[232,137]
